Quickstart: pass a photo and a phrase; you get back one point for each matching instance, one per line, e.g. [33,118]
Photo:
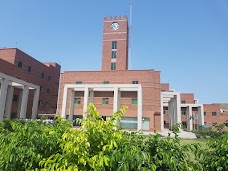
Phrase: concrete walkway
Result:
[182,134]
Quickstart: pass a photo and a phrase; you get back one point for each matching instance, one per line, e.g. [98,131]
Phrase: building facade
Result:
[28,86]
[194,114]
[139,90]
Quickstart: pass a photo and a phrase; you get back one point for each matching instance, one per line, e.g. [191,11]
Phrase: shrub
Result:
[24,144]
[211,132]
[216,157]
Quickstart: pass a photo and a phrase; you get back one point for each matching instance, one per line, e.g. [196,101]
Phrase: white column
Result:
[119,100]
[174,110]
[162,114]
[9,101]
[64,103]
[139,97]
[178,108]
[24,102]
[170,113]
[189,118]
[86,96]
[35,103]
[91,96]
[115,100]
[72,99]
[19,103]
[200,115]
[4,88]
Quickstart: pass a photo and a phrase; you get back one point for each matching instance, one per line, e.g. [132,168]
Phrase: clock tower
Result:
[115,44]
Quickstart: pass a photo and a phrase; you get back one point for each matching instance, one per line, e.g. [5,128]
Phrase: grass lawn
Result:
[202,142]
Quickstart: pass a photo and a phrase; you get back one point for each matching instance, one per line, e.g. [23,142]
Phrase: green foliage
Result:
[168,154]
[216,157]
[176,127]
[24,144]
[100,145]
[211,132]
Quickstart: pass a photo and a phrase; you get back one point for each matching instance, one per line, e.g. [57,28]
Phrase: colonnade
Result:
[8,84]
[89,90]
[172,101]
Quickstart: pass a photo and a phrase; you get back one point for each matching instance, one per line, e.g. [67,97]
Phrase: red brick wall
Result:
[188,97]
[219,118]
[121,36]
[164,86]
[149,79]
[9,59]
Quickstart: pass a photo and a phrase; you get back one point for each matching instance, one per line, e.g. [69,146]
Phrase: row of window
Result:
[107,82]
[183,101]
[29,69]
[134,101]
[184,113]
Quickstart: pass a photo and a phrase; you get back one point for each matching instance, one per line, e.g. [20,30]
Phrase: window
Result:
[113,54]
[49,78]
[78,82]
[41,89]
[105,82]
[42,75]
[46,104]
[128,122]
[135,82]
[113,66]
[183,112]
[19,64]
[114,45]
[164,112]
[48,90]
[205,113]
[183,101]
[162,90]
[184,124]
[77,100]
[213,113]
[104,100]
[134,101]
[29,69]
[15,98]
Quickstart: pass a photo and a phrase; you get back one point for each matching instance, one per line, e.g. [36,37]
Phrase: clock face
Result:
[114,26]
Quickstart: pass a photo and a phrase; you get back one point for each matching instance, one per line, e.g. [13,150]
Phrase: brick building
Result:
[140,90]
[213,113]
[27,85]
[114,86]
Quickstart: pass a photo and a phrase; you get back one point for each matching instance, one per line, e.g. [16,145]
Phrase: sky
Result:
[187,40]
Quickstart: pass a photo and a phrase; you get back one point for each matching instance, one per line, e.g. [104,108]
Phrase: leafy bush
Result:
[216,157]
[211,132]
[99,145]
[24,144]
[176,127]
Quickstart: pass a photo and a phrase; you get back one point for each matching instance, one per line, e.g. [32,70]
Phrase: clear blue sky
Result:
[187,40]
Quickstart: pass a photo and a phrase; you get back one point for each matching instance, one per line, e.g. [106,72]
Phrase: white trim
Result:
[116,88]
